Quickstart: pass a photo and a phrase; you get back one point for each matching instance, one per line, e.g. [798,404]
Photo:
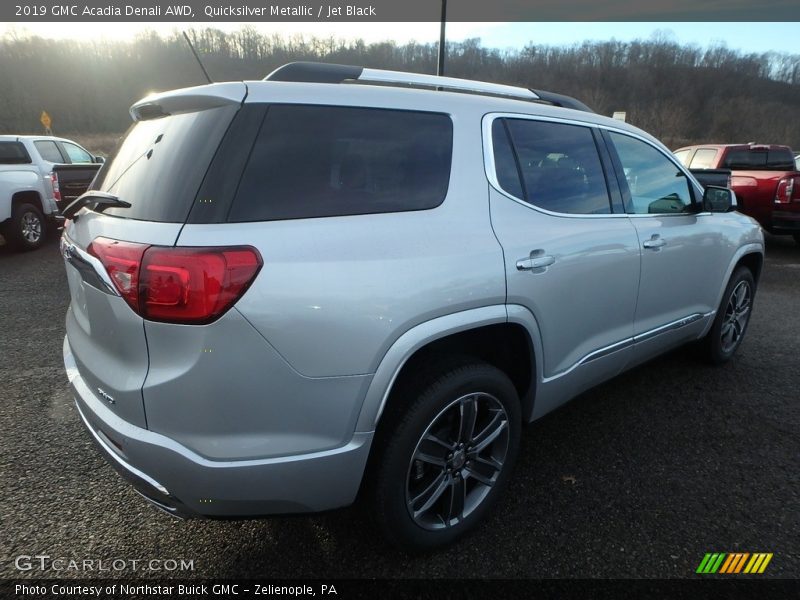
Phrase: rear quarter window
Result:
[704,158]
[13,153]
[321,161]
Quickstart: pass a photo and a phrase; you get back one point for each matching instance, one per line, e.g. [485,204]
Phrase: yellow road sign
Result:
[46,120]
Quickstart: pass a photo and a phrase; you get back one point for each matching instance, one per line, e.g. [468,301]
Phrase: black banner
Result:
[206,11]
[441,589]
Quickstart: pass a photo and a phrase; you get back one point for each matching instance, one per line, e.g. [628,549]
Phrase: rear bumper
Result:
[186,484]
[784,221]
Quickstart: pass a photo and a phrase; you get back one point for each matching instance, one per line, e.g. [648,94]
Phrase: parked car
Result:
[797,162]
[39,175]
[765,178]
[310,289]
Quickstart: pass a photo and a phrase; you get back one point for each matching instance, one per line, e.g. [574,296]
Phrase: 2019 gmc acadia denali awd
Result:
[284,288]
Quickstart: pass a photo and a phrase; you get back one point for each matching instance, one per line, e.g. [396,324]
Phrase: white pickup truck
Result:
[39,176]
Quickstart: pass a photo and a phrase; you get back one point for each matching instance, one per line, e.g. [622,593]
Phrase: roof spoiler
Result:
[186,100]
[313,72]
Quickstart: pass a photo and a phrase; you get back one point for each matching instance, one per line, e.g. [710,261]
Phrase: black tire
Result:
[26,229]
[420,407]
[719,344]
[796,237]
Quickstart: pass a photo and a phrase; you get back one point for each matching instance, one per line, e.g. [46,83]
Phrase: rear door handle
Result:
[537,260]
[655,242]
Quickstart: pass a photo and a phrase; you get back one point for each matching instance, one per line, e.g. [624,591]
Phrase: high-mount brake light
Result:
[178,285]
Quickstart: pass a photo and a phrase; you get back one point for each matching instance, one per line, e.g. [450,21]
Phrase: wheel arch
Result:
[752,256]
[504,336]
[27,197]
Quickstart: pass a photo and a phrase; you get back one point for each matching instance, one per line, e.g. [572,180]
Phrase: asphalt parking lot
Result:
[637,478]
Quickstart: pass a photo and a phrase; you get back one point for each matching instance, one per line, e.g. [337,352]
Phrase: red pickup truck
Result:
[765,179]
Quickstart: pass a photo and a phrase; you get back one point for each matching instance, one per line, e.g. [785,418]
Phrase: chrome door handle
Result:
[535,261]
[655,242]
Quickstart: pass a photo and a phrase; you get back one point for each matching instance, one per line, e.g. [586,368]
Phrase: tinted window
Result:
[704,158]
[76,153]
[759,159]
[319,161]
[13,153]
[505,164]
[683,156]
[560,167]
[656,184]
[160,164]
[49,151]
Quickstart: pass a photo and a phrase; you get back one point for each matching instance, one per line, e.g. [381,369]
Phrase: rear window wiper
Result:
[101,200]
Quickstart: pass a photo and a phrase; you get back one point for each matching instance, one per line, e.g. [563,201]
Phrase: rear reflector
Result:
[178,285]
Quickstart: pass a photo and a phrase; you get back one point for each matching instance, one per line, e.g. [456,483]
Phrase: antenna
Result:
[442,47]
[199,62]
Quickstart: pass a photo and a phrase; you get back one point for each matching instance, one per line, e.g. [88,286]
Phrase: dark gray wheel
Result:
[732,318]
[26,228]
[445,453]
[457,461]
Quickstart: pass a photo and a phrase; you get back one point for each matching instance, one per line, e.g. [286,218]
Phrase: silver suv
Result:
[343,280]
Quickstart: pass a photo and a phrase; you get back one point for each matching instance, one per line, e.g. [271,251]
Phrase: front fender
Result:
[13,182]
[750,248]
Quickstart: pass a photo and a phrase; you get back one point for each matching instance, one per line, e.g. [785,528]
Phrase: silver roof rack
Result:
[448,83]
[312,72]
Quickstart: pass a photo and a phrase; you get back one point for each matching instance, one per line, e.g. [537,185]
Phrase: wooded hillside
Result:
[681,94]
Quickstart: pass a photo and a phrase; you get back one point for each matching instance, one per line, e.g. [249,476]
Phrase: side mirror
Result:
[99,160]
[718,199]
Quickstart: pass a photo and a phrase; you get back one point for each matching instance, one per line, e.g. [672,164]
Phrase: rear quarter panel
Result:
[334,293]
[14,180]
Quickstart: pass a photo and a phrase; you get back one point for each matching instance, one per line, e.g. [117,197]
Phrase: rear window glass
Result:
[320,161]
[760,160]
[13,153]
[160,165]
[49,151]
[704,158]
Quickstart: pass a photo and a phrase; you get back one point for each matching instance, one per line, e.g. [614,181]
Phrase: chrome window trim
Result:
[631,341]
[490,169]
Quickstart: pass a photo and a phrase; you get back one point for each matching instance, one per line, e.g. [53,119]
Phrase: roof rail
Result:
[313,72]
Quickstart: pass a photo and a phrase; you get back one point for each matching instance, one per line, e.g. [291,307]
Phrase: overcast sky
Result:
[748,37]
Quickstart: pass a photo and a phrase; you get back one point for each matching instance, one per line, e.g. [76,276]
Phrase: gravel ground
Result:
[637,478]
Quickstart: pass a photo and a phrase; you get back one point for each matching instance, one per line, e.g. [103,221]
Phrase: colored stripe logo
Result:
[733,563]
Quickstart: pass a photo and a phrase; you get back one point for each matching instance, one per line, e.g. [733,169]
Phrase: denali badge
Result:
[107,397]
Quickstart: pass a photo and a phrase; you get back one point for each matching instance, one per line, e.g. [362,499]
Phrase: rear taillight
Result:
[122,261]
[178,285]
[783,194]
[194,285]
[56,189]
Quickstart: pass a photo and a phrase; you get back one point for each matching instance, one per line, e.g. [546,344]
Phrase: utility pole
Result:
[440,67]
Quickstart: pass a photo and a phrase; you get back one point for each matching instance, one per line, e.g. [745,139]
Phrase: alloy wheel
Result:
[737,313]
[457,461]
[31,227]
